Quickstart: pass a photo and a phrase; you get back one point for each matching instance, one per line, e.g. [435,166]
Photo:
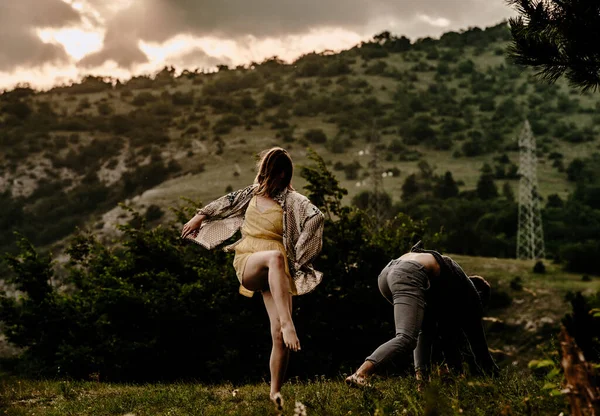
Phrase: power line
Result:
[530,236]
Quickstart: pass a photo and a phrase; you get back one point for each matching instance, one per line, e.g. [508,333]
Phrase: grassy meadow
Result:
[520,330]
[512,393]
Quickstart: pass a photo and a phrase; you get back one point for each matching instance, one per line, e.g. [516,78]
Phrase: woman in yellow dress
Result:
[281,236]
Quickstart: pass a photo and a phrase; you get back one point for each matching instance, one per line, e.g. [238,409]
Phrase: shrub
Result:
[516,283]
[143,98]
[351,170]
[466,67]
[273,99]
[580,256]
[376,68]
[105,109]
[19,109]
[499,299]
[315,136]
[157,299]
[183,99]
[153,213]
[539,267]
[191,130]
[336,145]
[226,123]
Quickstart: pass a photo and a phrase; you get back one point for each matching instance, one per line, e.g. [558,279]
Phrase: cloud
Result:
[160,20]
[123,50]
[21,47]
[198,58]
[143,35]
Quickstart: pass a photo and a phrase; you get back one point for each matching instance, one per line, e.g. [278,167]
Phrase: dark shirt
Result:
[454,315]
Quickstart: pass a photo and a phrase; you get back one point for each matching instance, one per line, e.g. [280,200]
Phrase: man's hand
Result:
[192,225]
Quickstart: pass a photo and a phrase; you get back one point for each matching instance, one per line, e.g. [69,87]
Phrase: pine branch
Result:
[558,38]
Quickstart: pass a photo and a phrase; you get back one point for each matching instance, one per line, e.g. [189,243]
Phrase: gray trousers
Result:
[403,283]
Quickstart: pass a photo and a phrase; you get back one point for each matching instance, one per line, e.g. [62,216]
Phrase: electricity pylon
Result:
[530,236]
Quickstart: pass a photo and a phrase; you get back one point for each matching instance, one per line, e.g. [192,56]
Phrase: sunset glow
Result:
[77,42]
[114,37]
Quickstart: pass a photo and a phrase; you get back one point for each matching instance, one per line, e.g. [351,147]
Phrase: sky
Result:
[55,42]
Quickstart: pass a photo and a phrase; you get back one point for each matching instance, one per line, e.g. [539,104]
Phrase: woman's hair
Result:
[274,172]
[483,289]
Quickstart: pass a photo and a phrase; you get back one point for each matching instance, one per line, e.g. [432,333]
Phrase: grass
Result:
[527,326]
[511,393]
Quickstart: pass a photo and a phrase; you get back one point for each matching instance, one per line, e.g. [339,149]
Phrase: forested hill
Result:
[71,154]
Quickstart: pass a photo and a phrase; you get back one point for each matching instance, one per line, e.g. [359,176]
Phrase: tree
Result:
[486,188]
[558,37]
[507,192]
[410,188]
[446,187]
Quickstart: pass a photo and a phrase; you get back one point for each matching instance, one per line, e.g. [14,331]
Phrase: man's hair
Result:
[274,172]
[483,288]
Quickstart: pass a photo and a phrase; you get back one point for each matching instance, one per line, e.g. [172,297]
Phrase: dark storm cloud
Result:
[159,20]
[20,45]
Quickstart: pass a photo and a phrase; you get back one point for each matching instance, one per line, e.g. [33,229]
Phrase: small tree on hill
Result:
[486,188]
[446,187]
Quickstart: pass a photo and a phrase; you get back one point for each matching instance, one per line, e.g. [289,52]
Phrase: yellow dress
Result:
[262,231]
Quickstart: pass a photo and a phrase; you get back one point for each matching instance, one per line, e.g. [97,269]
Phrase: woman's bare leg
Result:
[279,354]
[268,268]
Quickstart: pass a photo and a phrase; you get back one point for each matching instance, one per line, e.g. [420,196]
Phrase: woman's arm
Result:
[192,225]
[227,204]
[219,208]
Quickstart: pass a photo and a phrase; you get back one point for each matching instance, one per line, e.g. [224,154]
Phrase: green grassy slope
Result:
[454,103]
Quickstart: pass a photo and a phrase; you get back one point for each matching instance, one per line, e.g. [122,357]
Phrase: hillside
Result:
[71,154]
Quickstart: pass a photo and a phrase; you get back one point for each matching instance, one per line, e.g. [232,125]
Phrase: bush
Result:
[539,267]
[273,99]
[580,257]
[153,213]
[226,123]
[183,99]
[351,170]
[376,68]
[465,67]
[19,109]
[143,98]
[516,283]
[156,299]
[105,109]
[191,130]
[315,136]
[499,299]
[337,145]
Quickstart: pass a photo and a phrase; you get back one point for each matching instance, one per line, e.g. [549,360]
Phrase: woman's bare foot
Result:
[277,400]
[290,338]
[357,380]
